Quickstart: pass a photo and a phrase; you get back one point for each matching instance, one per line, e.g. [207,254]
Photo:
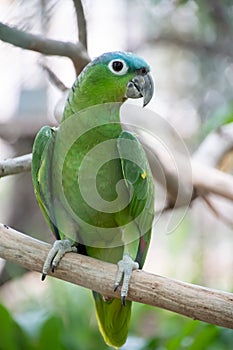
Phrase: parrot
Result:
[93,182]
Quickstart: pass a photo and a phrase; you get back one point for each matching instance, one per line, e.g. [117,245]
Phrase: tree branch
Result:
[15,165]
[191,44]
[81,21]
[215,145]
[211,152]
[205,179]
[193,301]
[76,52]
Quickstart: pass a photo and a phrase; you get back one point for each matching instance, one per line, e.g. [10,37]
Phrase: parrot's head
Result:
[116,76]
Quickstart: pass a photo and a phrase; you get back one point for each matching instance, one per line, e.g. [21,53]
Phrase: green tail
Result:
[113,319]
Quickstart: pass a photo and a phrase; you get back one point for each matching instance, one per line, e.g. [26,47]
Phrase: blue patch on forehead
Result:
[133,61]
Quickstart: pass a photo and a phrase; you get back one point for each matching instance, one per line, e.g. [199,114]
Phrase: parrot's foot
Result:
[55,255]
[125,268]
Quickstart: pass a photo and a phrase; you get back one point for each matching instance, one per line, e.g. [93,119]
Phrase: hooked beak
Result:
[141,86]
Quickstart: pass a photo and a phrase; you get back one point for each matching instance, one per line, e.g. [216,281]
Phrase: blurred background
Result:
[189,47]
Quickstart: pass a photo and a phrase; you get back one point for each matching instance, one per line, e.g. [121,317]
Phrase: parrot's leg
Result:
[128,263]
[125,269]
[59,248]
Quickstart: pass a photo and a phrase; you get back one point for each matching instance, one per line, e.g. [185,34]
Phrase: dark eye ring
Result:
[118,67]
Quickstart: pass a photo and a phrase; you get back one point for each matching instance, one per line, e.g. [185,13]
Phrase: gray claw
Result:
[125,268]
[55,255]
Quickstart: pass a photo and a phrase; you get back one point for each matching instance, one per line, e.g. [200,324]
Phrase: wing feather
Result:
[42,174]
[139,181]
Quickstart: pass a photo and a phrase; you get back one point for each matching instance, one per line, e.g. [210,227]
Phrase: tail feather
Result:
[113,319]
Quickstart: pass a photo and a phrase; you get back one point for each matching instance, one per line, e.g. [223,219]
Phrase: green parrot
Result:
[93,182]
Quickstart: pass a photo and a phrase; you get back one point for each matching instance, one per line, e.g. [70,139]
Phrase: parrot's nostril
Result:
[143,71]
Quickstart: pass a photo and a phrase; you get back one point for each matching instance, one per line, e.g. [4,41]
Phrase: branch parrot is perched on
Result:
[93,182]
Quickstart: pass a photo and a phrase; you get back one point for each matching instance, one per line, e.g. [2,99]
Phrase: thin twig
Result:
[54,78]
[76,52]
[15,165]
[216,212]
[81,21]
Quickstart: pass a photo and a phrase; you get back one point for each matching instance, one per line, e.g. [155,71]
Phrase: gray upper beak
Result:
[141,86]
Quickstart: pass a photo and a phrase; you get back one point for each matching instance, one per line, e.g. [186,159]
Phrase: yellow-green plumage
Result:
[113,319]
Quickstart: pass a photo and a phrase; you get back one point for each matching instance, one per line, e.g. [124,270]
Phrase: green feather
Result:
[58,158]
[42,154]
[113,319]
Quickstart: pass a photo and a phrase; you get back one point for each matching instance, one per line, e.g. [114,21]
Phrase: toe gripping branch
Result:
[124,273]
[125,269]
[58,250]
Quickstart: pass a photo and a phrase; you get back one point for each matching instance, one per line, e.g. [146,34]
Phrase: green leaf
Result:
[187,330]
[12,336]
[205,337]
[50,337]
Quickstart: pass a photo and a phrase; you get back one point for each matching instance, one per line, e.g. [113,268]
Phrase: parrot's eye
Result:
[118,67]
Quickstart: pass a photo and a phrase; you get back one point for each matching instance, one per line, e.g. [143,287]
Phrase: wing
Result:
[42,155]
[139,181]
